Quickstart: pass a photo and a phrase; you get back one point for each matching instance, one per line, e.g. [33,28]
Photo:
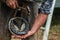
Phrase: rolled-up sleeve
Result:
[46,6]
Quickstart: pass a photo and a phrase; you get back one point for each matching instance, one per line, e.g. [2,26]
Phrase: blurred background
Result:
[54,33]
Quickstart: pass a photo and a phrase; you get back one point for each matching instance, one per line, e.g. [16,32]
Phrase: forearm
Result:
[40,20]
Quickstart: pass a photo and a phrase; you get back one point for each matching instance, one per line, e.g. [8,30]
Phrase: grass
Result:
[54,33]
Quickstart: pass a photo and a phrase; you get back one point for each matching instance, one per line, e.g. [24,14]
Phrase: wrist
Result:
[33,31]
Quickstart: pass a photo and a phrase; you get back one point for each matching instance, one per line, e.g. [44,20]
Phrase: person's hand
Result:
[12,3]
[30,33]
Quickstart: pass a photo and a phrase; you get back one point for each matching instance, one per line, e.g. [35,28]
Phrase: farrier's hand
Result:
[30,33]
[12,3]
[24,36]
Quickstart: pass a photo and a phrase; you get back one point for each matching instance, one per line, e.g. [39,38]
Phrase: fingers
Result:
[20,37]
[27,35]
[15,4]
[17,36]
[12,3]
[24,36]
